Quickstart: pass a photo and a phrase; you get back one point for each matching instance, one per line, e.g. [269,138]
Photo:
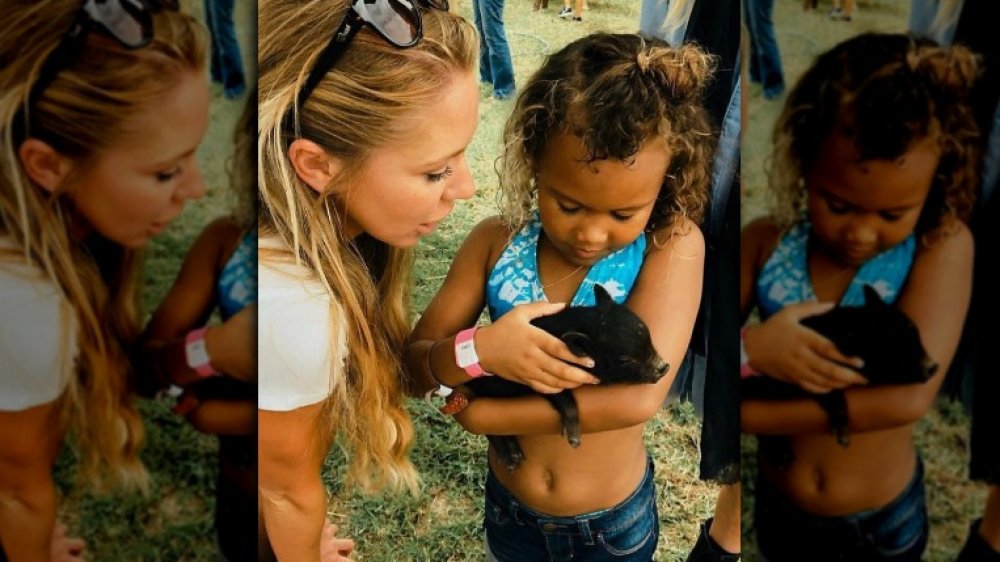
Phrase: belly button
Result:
[547,481]
[818,481]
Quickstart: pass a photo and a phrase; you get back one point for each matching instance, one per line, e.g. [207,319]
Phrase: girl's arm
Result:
[291,448]
[28,447]
[511,348]
[188,305]
[666,296]
[936,297]
[224,417]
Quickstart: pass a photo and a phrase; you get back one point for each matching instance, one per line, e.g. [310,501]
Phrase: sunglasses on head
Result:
[129,22]
[397,21]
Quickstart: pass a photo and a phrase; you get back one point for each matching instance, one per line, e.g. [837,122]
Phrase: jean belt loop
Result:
[588,537]
[515,511]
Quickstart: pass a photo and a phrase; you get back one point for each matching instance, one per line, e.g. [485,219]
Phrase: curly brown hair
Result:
[615,92]
[885,92]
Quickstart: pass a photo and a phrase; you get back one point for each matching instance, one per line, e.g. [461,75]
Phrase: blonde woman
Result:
[101,109]
[362,139]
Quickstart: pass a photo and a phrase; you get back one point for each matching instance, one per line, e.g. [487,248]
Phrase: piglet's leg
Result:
[565,404]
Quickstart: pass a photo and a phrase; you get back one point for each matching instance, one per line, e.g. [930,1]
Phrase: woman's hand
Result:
[784,349]
[232,346]
[518,351]
[332,548]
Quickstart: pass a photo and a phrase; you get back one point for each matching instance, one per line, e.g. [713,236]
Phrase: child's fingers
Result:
[838,366]
[546,385]
[833,375]
[566,375]
[558,349]
[533,310]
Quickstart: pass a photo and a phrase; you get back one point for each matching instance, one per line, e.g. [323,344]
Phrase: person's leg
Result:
[211,21]
[983,543]
[719,537]
[990,528]
[767,54]
[754,50]
[577,9]
[494,40]
[567,10]
[485,72]
[224,42]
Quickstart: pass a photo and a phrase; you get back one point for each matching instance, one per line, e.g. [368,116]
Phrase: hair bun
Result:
[683,71]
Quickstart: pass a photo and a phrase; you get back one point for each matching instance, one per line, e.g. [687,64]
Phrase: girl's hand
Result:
[232,345]
[784,349]
[64,548]
[518,351]
[333,549]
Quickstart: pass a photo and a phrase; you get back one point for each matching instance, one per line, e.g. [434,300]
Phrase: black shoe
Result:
[976,549]
[707,550]
[575,18]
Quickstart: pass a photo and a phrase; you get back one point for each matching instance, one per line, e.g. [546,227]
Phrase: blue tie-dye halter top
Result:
[238,278]
[784,279]
[514,279]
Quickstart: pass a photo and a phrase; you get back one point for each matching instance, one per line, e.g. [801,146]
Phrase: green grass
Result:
[942,436]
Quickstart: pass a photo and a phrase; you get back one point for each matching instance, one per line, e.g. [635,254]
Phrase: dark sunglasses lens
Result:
[397,20]
[128,21]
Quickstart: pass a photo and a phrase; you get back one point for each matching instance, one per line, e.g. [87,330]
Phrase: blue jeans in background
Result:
[495,65]
[625,532]
[765,58]
[227,64]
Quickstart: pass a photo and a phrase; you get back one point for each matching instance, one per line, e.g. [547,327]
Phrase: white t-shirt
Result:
[300,337]
[38,335]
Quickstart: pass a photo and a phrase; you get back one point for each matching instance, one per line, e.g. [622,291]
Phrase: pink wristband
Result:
[465,353]
[196,353]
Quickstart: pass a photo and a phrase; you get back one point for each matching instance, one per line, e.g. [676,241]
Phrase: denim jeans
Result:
[896,532]
[627,531]
[227,64]
[765,58]
[495,65]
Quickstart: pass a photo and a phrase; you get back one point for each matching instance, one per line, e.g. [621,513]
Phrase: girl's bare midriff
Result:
[556,479]
[827,479]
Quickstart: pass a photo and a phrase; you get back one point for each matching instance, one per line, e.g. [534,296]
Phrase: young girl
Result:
[101,110]
[220,271]
[874,175]
[361,152]
[605,176]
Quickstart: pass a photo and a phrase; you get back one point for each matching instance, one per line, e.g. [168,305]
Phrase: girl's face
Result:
[410,184]
[859,209]
[132,191]
[591,210]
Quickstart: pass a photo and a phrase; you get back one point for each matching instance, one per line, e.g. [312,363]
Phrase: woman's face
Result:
[132,191]
[410,184]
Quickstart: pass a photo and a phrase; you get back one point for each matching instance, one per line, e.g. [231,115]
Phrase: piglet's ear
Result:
[602,297]
[872,298]
[577,342]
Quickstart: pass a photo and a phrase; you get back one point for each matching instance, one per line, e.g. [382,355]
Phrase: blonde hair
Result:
[884,92]
[82,111]
[615,93]
[239,166]
[354,109]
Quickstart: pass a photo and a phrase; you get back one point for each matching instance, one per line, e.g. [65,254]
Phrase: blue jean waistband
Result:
[575,524]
